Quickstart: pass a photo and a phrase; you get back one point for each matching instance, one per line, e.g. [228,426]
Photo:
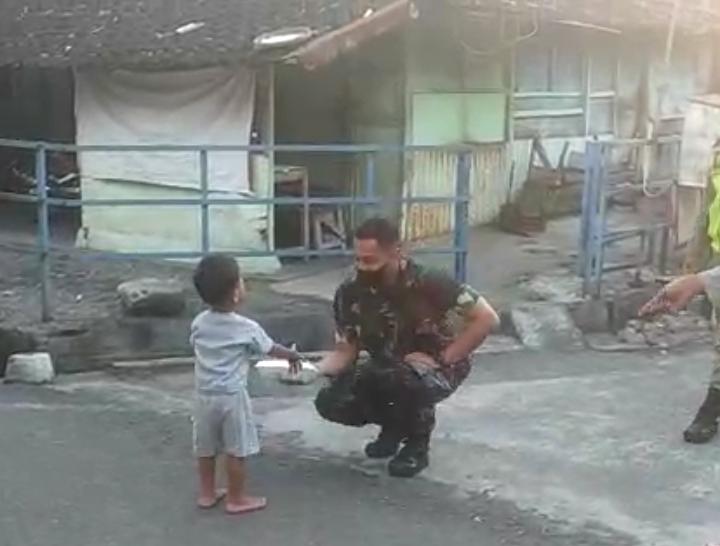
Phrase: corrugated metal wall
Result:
[489,183]
[433,174]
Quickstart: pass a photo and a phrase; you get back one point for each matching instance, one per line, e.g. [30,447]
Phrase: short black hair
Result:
[382,230]
[215,278]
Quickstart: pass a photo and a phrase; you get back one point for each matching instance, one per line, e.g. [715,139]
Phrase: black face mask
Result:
[372,279]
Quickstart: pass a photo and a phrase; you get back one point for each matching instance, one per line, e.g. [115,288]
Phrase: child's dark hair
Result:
[215,278]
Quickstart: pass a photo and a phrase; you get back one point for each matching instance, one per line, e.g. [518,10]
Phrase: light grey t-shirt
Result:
[224,345]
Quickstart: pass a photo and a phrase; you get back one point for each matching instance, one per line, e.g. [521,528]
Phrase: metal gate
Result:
[611,168]
[368,197]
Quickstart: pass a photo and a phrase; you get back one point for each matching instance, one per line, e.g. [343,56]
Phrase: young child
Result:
[224,343]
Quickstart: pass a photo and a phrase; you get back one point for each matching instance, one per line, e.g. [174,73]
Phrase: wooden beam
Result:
[556,113]
[328,47]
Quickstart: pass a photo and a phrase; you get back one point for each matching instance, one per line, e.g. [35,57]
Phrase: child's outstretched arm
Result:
[291,355]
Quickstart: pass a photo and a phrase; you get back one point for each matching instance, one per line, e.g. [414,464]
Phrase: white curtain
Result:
[209,106]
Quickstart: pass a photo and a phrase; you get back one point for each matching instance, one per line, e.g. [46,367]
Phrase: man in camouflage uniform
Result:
[419,329]
[674,297]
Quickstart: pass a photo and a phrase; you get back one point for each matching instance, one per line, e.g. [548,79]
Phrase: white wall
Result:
[205,107]
[171,228]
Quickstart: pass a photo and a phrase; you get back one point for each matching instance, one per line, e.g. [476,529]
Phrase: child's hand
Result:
[295,361]
[291,355]
[295,365]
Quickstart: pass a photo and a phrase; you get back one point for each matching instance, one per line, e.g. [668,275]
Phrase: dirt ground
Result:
[82,286]
[86,289]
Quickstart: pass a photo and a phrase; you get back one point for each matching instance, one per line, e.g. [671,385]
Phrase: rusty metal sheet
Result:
[433,174]
[326,48]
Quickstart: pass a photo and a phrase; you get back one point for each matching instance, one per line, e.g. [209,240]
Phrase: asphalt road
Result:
[106,464]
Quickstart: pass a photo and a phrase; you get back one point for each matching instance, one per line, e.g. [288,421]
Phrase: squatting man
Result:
[418,328]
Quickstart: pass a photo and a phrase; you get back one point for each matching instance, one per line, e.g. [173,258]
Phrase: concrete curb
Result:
[173,363]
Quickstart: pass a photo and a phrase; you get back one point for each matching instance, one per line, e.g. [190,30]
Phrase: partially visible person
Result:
[675,297]
[225,343]
[419,327]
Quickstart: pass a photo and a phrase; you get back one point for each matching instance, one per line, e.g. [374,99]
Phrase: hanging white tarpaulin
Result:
[202,107]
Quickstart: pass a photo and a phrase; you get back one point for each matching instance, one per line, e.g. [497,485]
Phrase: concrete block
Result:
[627,304]
[556,287]
[152,297]
[12,341]
[30,368]
[546,326]
[115,339]
[271,378]
[279,370]
[591,316]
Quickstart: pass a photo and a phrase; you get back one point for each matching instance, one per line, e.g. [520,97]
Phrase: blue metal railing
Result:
[459,199]
[595,234]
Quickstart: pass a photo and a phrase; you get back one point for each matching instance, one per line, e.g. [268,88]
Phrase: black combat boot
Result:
[412,459]
[705,425]
[386,445]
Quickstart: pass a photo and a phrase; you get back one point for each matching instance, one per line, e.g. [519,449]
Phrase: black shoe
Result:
[385,446]
[411,460]
[705,426]
[700,432]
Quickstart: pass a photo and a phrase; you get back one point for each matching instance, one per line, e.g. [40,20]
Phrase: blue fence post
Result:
[204,207]
[370,175]
[600,228]
[43,233]
[462,195]
[306,229]
[369,189]
[589,213]
[585,210]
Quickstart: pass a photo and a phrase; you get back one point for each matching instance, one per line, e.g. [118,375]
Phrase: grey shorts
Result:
[224,424]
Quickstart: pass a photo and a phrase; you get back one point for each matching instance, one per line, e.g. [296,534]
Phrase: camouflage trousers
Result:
[715,377]
[395,397]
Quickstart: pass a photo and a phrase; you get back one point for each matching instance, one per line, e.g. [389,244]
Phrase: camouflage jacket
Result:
[423,312]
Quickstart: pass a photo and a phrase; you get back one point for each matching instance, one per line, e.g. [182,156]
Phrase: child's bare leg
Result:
[238,502]
[206,471]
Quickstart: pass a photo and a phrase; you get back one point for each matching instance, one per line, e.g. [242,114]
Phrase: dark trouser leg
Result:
[358,398]
[419,395]
[422,392]
[340,403]
[705,425]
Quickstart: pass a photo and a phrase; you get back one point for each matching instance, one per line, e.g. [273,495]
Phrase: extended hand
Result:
[675,296]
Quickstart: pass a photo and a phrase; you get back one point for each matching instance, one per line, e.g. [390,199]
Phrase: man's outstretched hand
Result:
[675,296]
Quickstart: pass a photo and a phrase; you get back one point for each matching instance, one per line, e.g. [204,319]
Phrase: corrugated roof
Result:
[191,33]
[696,16]
[145,32]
